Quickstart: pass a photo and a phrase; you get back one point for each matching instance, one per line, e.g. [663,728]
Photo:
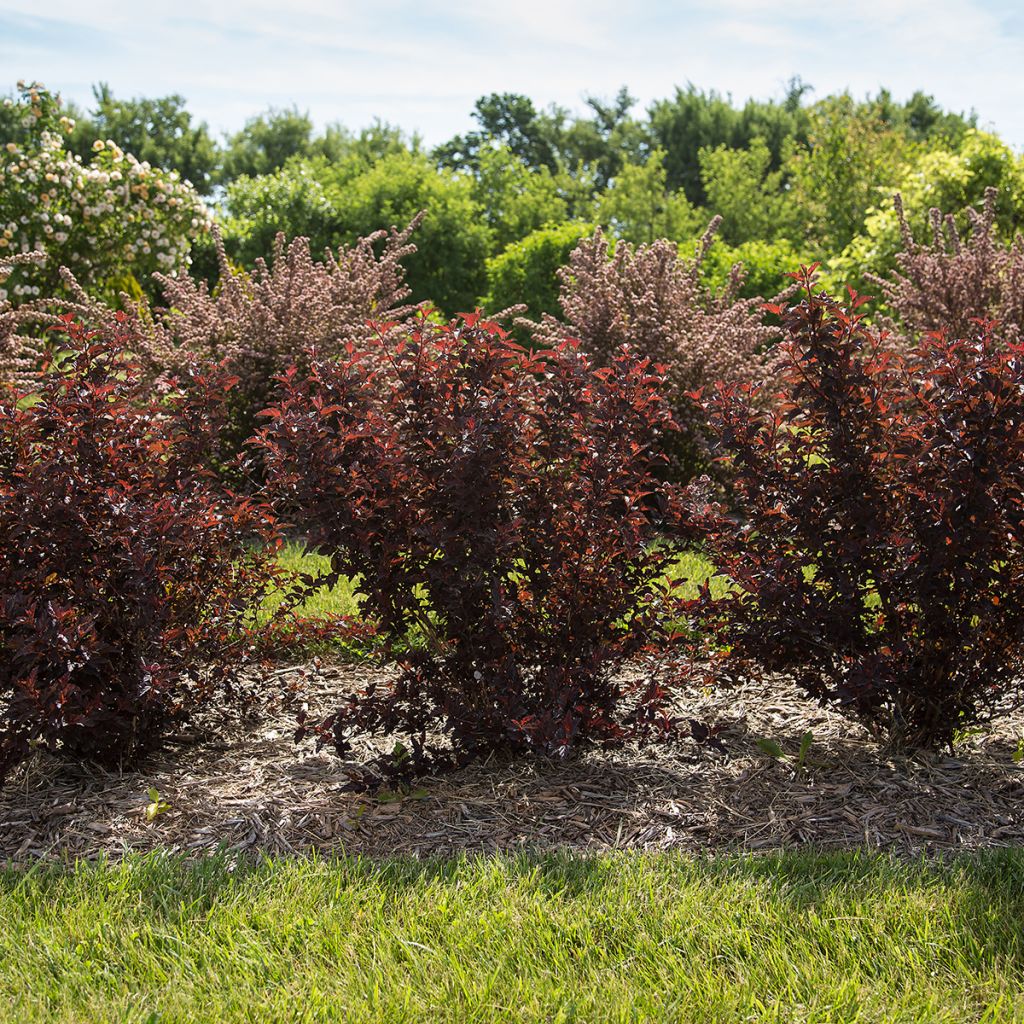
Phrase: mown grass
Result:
[629,937]
[341,600]
[690,567]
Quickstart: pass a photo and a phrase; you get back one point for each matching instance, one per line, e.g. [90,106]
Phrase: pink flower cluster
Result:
[947,282]
[649,298]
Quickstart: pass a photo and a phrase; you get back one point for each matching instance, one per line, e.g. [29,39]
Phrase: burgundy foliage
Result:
[292,635]
[256,323]
[127,575]
[876,546]
[499,507]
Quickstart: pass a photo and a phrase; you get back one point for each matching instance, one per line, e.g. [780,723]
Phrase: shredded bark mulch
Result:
[252,789]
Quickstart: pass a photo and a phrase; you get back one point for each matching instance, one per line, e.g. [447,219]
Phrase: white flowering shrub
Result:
[113,221]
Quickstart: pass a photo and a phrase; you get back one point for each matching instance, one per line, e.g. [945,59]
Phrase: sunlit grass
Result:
[340,600]
[691,567]
[629,937]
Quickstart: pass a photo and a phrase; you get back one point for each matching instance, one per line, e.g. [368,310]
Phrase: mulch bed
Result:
[251,789]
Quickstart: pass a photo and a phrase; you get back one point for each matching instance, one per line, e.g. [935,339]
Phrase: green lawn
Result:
[339,601]
[691,567]
[630,937]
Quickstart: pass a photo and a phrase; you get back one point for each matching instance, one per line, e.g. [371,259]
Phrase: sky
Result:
[421,65]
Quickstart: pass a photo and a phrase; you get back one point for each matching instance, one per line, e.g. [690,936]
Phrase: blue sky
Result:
[421,65]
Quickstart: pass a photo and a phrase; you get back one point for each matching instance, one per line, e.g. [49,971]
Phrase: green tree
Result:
[267,142]
[506,119]
[336,203]
[591,149]
[515,199]
[639,207]
[693,120]
[340,145]
[292,200]
[854,155]
[454,240]
[750,197]
[920,119]
[606,142]
[942,179]
[527,271]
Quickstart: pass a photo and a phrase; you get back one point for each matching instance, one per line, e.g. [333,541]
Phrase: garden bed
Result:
[251,788]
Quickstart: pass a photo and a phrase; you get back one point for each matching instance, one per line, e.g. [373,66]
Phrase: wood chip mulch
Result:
[251,789]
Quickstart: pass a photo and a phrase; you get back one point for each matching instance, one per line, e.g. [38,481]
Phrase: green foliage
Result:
[764,266]
[359,150]
[335,204]
[639,207]
[337,600]
[454,240]
[746,193]
[592,149]
[851,160]
[920,119]
[509,120]
[156,806]
[953,180]
[291,200]
[694,120]
[275,138]
[159,131]
[948,180]
[516,199]
[267,142]
[607,141]
[527,271]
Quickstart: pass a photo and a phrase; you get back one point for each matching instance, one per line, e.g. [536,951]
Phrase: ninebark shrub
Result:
[876,543]
[948,282]
[646,296]
[127,574]
[500,506]
[260,323]
[256,324]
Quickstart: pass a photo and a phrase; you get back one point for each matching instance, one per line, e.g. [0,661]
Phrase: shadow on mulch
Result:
[254,790]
